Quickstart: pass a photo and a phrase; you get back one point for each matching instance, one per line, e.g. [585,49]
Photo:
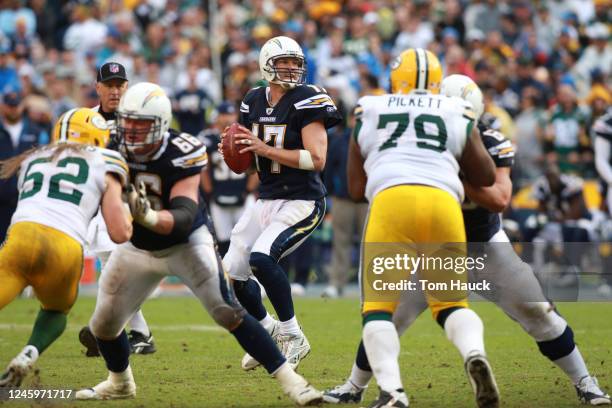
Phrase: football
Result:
[238,162]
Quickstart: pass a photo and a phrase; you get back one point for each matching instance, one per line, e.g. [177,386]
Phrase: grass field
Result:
[198,365]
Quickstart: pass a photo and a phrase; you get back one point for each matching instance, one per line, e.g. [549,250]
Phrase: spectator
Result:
[85,33]
[17,134]
[529,138]
[597,56]
[8,73]
[414,32]
[566,139]
[191,105]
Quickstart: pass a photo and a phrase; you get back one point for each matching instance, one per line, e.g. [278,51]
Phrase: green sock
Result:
[49,325]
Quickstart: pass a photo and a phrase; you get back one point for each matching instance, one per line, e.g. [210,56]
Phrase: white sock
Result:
[32,351]
[139,324]
[287,377]
[291,326]
[268,322]
[360,378]
[573,365]
[122,377]
[464,329]
[382,347]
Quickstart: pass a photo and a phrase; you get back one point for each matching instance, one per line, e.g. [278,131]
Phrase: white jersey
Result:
[413,139]
[65,193]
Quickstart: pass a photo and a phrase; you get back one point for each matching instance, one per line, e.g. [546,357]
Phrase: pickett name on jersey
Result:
[414,100]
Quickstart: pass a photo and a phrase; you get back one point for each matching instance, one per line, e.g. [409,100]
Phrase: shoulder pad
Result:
[248,98]
[313,100]
[115,163]
[194,152]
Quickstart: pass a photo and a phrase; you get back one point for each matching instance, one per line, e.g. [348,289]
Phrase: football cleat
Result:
[347,393]
[483,382]
[294,347]
[19,367]
[110,388]
[248,362]
[397,398]
[296,387]
[589,392]
[140,344]
[87,339]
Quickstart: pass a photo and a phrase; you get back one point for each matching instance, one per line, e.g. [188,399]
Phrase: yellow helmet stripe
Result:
[421,59]
[63,133]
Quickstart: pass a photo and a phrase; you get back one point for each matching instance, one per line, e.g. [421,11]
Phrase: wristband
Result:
[306,162]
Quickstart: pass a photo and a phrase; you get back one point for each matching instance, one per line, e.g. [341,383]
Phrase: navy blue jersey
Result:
[228,188]
[281,126]
[190,111]
[180,156]
[480,223]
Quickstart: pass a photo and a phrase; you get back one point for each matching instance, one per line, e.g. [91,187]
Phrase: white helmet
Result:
[281,47]
[144,101]
[466,89]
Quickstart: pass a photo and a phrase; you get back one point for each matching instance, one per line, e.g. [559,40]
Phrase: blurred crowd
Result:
[544,66]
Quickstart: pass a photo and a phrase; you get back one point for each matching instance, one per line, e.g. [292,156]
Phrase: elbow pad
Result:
[184,211]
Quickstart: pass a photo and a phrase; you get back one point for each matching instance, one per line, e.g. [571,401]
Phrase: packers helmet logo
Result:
[396,62]
[416,69]
[99,122]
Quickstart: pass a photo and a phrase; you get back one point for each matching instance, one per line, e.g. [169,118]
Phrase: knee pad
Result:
[227,317]
[558,347]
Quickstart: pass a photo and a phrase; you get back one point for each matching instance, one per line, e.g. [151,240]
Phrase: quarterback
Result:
[405,158]
[284,125]
[61,187]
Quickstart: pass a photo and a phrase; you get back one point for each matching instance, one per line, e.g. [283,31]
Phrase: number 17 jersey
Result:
[416,138]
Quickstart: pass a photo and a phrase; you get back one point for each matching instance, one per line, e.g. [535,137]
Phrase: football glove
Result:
[140,206]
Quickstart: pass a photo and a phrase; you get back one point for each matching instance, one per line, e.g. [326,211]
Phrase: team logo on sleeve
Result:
[317,101]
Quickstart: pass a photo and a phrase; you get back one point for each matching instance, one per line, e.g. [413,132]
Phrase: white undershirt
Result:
[14,131]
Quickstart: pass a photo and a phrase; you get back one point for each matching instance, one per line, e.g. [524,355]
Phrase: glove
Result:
[140,207]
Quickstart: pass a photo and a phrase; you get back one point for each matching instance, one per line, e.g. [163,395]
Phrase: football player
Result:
[170,238]
[405,157]
[228,191]
[111,84]
[44,247]
[602,136]
[517,291]
[284,124]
